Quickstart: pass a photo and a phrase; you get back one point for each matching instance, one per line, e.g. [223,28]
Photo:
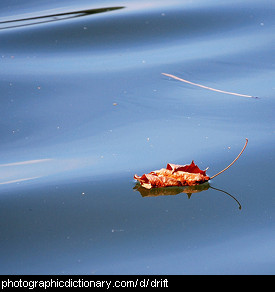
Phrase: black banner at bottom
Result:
[103,281]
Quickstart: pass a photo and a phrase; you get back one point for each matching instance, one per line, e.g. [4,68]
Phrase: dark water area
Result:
[84,107]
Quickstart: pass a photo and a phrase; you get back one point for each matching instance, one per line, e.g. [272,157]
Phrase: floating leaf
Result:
[179,175]
[174,175]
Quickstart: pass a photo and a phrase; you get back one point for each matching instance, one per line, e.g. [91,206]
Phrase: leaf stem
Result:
[232,161]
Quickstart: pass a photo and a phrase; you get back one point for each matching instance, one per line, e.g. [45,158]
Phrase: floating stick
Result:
[202,86]
[232,161]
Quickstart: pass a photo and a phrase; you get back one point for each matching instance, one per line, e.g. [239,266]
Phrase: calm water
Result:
[84,107]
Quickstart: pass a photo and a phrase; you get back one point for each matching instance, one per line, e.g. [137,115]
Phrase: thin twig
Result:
[232,161]
[202,86]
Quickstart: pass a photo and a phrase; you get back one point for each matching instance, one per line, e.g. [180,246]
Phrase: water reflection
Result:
[171,191]
[16,172]
[53,17]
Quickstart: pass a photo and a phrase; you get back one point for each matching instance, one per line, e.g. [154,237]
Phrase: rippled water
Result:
[84,107]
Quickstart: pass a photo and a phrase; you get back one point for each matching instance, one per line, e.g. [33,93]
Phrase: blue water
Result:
[84,107]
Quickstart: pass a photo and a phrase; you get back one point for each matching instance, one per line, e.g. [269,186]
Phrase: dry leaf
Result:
[173,175]
[178,175]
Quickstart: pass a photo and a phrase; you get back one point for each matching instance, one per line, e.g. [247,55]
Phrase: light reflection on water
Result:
[84,106]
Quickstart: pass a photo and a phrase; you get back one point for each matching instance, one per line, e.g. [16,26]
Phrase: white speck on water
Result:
[117,230]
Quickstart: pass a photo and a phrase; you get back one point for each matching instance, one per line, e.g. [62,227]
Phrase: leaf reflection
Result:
[189,190]
[53,17]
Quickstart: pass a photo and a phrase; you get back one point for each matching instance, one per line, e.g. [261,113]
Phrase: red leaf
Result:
[173,175]
[192,168]
[179,175]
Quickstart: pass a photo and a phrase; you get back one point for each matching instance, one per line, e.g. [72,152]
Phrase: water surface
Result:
[84,107]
